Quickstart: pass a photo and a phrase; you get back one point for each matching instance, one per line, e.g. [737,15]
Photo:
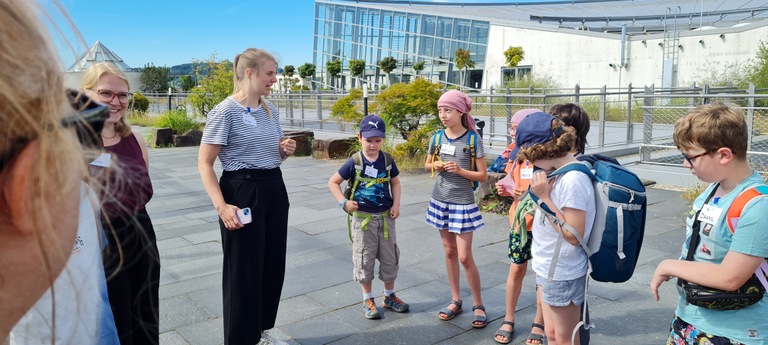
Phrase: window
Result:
[514,74]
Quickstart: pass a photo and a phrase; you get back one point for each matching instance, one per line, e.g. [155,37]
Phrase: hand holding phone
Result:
[244,215]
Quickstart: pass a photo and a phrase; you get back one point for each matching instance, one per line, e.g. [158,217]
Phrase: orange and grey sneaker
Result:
[394,303]
[369,306]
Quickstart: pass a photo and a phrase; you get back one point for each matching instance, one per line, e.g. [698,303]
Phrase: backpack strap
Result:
[742,200]
[472,147]
[369,181]
[559,223]
[437,139]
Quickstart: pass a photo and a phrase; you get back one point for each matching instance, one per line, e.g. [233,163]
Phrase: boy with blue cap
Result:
[374,204]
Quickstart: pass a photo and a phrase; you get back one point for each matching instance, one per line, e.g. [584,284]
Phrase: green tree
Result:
[306,71]
[418,67]
[409,106]
[347,109]
[187,82]
[288,72]
[758,71]
[213,87]
[357,68]
[463,62]
[514,55]
[140,102]
[333,68]
[154,78]
[387,65]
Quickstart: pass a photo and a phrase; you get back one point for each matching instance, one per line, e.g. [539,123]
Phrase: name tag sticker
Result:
[104,160]
[249,120]
[526,173]
[448,149]
[371,171]
[710,214]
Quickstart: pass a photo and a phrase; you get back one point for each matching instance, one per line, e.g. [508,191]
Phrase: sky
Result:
[168,33]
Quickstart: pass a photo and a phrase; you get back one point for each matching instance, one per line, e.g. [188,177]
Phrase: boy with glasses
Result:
[713,139]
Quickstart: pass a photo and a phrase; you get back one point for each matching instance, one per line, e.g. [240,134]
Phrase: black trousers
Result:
[132,266]
[254,256]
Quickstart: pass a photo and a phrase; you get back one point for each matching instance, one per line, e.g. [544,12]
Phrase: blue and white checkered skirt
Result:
[454,217]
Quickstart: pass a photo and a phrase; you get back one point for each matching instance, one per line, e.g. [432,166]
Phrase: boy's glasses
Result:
[107,96]
[691,158]
[88,121]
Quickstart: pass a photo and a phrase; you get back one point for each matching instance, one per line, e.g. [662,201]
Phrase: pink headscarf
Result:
[521,114]
[458,100]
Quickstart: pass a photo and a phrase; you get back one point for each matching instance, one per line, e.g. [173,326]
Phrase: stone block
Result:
[162,137]
[332,148]
[303,140]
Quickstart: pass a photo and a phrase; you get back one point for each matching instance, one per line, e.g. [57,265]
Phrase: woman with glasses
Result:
[131,259]
[49,256]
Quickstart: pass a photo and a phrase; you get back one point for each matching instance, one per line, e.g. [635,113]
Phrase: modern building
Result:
[591,43]
[97,53]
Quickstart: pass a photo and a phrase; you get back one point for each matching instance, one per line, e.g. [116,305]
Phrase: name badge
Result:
[104,160]
[710,214]
[448,149]
[371,171]
[249,120]
[526,173]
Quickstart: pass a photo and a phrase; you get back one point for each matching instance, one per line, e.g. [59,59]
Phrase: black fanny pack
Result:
[701,296]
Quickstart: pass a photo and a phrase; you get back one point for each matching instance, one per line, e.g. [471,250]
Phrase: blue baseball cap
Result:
[372,126]
[534,129]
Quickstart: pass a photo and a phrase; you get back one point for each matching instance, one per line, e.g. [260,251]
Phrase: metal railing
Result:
[630,119]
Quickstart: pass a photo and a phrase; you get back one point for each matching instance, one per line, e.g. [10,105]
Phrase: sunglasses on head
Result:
[87,120]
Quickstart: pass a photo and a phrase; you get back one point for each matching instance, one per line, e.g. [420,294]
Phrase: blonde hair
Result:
[712,126]
[251,58]
[32,105]
[91,79]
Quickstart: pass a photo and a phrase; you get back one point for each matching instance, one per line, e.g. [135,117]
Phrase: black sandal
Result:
[535,339]
[505,334]
[482,319]
[449,314]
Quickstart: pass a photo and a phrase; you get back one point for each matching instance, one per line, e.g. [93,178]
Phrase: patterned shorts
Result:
[519,254]
[683,333]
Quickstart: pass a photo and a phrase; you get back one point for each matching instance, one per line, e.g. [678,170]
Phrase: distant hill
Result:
[189,69]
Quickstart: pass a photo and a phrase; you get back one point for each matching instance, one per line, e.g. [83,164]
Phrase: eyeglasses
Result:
[107,96]
[690,159]
[87,121]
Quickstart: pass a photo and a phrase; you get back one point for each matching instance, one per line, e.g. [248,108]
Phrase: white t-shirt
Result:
[570,190]
[83,314]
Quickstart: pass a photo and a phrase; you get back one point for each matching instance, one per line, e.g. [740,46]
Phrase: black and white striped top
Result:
[450,187]
[248,140]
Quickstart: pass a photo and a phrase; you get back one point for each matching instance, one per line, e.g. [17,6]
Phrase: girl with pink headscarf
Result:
[452,209]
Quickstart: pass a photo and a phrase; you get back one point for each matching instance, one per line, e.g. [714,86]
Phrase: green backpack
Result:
[357,178]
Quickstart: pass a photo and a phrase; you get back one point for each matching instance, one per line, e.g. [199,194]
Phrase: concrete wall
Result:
[583,57]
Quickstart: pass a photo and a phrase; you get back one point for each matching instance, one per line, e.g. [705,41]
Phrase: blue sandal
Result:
[482,320]
[449,314]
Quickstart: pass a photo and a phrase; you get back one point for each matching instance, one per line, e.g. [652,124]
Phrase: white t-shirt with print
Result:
[570,190]
[83,313]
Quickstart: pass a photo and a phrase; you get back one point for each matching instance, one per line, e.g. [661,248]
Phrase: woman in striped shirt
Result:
[244,132]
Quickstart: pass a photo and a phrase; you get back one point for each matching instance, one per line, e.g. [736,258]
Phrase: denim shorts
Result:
[561,293]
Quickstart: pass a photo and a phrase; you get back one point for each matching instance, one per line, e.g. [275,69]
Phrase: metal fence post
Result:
[705,92]
[630,123]
[319,110]
[289,107]
[301,105]
[645,154]
[170,107]
[750,114]
[509,111]
[576,90]
[601,119]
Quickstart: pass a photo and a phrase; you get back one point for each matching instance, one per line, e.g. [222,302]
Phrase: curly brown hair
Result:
[560,146]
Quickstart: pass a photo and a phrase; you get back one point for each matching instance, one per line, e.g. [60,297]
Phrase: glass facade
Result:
[348,32]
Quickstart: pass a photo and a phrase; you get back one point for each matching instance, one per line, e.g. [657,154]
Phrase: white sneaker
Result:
[268,339]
